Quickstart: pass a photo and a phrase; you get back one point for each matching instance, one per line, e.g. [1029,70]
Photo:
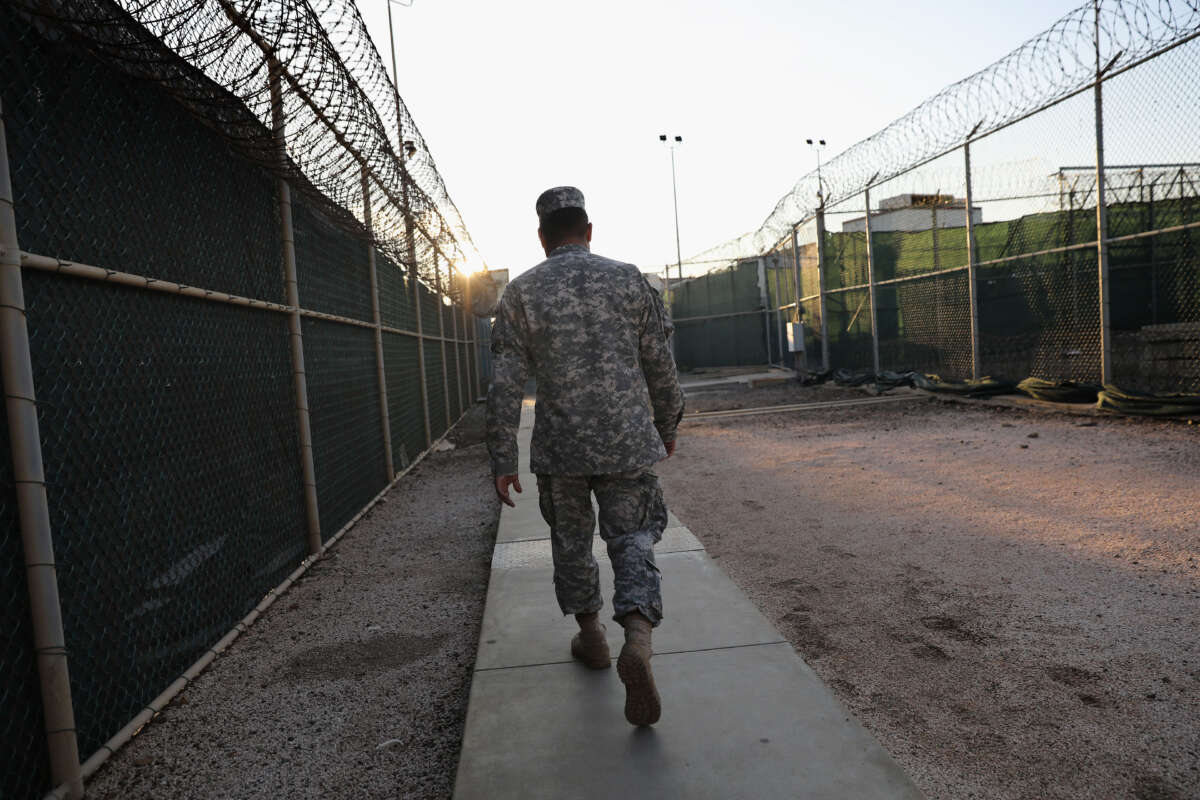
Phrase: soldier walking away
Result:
[594,335]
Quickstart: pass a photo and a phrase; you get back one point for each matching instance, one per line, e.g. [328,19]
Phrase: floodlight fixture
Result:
[820,185]
[678,140]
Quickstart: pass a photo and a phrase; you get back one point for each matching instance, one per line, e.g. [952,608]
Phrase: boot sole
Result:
[642,704]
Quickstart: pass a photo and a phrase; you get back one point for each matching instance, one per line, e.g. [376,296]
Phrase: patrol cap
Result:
[558,198]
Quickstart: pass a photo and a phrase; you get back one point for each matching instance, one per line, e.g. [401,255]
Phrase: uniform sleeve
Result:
[658,365]
[510,371]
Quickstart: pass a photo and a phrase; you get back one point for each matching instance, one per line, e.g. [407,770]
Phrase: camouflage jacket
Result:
[595,336]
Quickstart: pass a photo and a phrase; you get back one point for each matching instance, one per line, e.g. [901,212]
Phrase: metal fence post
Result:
[437,285]
[455,311]
[796,288]
[737,354]
[380,371]
[414,282]
[821,286]
[477,356]
[464,314]
[972,277]
[871,283]
[299,381]
[470,325]
[779,331]
[29,482]
[764,295]
[472,346]
[1106,365]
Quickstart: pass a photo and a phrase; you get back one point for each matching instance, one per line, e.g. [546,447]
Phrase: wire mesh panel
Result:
[1038,280]
[810,287]
[454,377]
[332,269]
[849,325]
[172,470]
[431,311]
[24,768]
[447,312]
[347,433]
[404,397]
[810,359]
[714,323]
[214,219]
[169,427]
[778,271]
[435,388]
[1039,317]
[925,325]
[848,310]
[465,327]
[395,296]
[918,233]
[483,352]
[1151,184]
[846,245]
[464,374]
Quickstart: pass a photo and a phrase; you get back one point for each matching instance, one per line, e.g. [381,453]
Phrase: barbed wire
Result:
[343,112]
[1048,68]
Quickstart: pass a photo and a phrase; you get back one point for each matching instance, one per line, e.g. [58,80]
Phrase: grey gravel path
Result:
[355,683]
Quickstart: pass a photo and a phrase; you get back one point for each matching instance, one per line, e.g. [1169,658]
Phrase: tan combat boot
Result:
[642,704]
[589,645]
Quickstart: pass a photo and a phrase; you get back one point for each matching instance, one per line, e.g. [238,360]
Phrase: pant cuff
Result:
[651,613]
[589,608]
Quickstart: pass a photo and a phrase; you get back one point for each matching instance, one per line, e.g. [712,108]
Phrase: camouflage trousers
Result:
[632,518]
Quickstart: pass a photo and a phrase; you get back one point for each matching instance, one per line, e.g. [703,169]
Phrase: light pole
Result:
[820,188]
[662,137]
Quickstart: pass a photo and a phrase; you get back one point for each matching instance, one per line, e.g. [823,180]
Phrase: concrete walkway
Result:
[725,378]
[743,715]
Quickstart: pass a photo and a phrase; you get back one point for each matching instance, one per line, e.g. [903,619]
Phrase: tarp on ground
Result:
[1122,401]
[1059,391]
[984,387]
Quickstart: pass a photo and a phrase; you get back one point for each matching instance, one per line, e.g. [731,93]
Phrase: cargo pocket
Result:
[654,509]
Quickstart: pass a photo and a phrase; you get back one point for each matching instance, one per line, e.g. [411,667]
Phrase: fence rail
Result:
[216,357]
[1062,272]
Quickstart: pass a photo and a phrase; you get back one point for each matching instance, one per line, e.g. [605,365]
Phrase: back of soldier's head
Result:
[561,216]
[566,224]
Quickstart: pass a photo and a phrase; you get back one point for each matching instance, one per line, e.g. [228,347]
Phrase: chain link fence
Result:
[1037,219]
[152,224]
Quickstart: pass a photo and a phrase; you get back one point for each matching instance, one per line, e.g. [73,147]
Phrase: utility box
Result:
[795,337]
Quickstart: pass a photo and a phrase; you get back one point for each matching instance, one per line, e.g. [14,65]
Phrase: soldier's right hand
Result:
[502,484]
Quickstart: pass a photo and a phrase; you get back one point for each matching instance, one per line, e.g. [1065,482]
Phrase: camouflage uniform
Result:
[595,336]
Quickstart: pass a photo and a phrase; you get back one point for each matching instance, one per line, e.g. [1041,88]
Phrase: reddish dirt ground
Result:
[1008,600]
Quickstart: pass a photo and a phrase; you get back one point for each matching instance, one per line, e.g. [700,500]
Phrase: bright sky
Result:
[514,98]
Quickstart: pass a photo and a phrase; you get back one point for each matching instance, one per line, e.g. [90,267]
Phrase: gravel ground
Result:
[355,683]
[1008,600]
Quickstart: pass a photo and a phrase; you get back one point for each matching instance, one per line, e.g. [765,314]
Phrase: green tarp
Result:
[1113,398]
